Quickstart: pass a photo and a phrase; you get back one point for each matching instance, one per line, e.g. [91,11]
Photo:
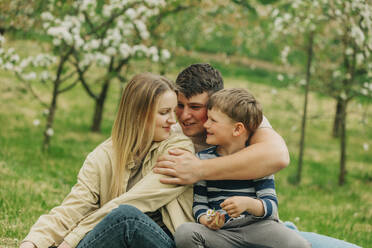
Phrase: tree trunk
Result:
[53,104]
[50,118]
[304,116]
[337,120]
[163,68]
[98,111]
[342,176]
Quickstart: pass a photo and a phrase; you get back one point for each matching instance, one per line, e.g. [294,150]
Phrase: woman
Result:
[116,193]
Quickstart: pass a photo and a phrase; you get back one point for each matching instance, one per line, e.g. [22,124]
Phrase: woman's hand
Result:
[27,244]
[64,245]
[214,222]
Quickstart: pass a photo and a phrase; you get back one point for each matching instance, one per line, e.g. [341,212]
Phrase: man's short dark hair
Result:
[199,78]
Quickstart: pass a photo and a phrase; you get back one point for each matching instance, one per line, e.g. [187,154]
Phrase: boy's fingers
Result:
[228,207]
[226,202]
[222,219]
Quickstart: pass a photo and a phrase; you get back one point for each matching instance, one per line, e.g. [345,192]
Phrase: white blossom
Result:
[8,66]
[287,16]
[94,44]
[336,74]
[86,4]
[102,59]
[47,16]
[284,54]
[165,54]
[280,77]
[36,122]
[359,58]
[155,2]
[125,50]
[349,51]
[111,51]
[358,35]
[152,51]
[155,58]
[2,39]
[46,112]
[107,10]
[364,91]
[275,13]
[57,42]
[365,146]
[49,132]
[131,13]
[14,58]
[29,76]
[343,95]
[45,75]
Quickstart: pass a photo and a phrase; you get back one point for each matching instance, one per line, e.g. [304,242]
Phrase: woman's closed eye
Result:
[164,111]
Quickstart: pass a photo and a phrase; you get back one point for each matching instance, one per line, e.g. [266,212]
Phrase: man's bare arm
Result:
[266,155]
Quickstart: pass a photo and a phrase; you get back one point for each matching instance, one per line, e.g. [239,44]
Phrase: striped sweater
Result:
[210,194]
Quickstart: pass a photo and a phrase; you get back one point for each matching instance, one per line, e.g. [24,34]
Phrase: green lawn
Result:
[32,182]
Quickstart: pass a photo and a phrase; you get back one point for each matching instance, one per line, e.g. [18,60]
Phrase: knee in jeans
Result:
[125,211]
[298,243]
[184,235]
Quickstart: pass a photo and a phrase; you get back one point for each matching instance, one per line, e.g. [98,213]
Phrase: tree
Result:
[345,65]
[300,21]
[343,58]
[105,36]
[77,45]
[48,69]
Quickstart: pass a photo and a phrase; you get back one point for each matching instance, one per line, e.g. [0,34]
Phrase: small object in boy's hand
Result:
[210,213]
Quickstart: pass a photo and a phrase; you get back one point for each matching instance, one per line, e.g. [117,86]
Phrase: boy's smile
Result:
[219,127]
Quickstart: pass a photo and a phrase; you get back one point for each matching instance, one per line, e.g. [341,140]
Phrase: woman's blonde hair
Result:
[133,130]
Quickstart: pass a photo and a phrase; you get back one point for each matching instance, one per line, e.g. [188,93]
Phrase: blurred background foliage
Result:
[241,39]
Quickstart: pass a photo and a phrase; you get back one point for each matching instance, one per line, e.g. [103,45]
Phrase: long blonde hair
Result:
[133,130]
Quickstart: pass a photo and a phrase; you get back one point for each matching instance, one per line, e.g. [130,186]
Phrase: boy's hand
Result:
[214,222]
[235,205]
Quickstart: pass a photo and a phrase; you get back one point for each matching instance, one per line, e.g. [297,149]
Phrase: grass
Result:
[32,182]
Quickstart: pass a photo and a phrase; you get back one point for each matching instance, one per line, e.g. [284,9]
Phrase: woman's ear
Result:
[239,129]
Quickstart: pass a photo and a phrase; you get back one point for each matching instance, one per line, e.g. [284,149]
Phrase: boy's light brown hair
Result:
[239,105]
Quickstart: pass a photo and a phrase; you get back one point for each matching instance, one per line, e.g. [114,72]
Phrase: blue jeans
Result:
[126,226]
[321,241]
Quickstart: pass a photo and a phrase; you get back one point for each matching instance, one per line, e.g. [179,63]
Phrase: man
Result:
[266,154]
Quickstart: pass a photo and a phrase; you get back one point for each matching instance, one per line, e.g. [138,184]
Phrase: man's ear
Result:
[239,129]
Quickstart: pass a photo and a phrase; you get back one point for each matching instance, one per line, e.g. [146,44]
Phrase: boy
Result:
[244,212]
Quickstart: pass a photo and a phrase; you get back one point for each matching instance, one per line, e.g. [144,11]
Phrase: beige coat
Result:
[88,202]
